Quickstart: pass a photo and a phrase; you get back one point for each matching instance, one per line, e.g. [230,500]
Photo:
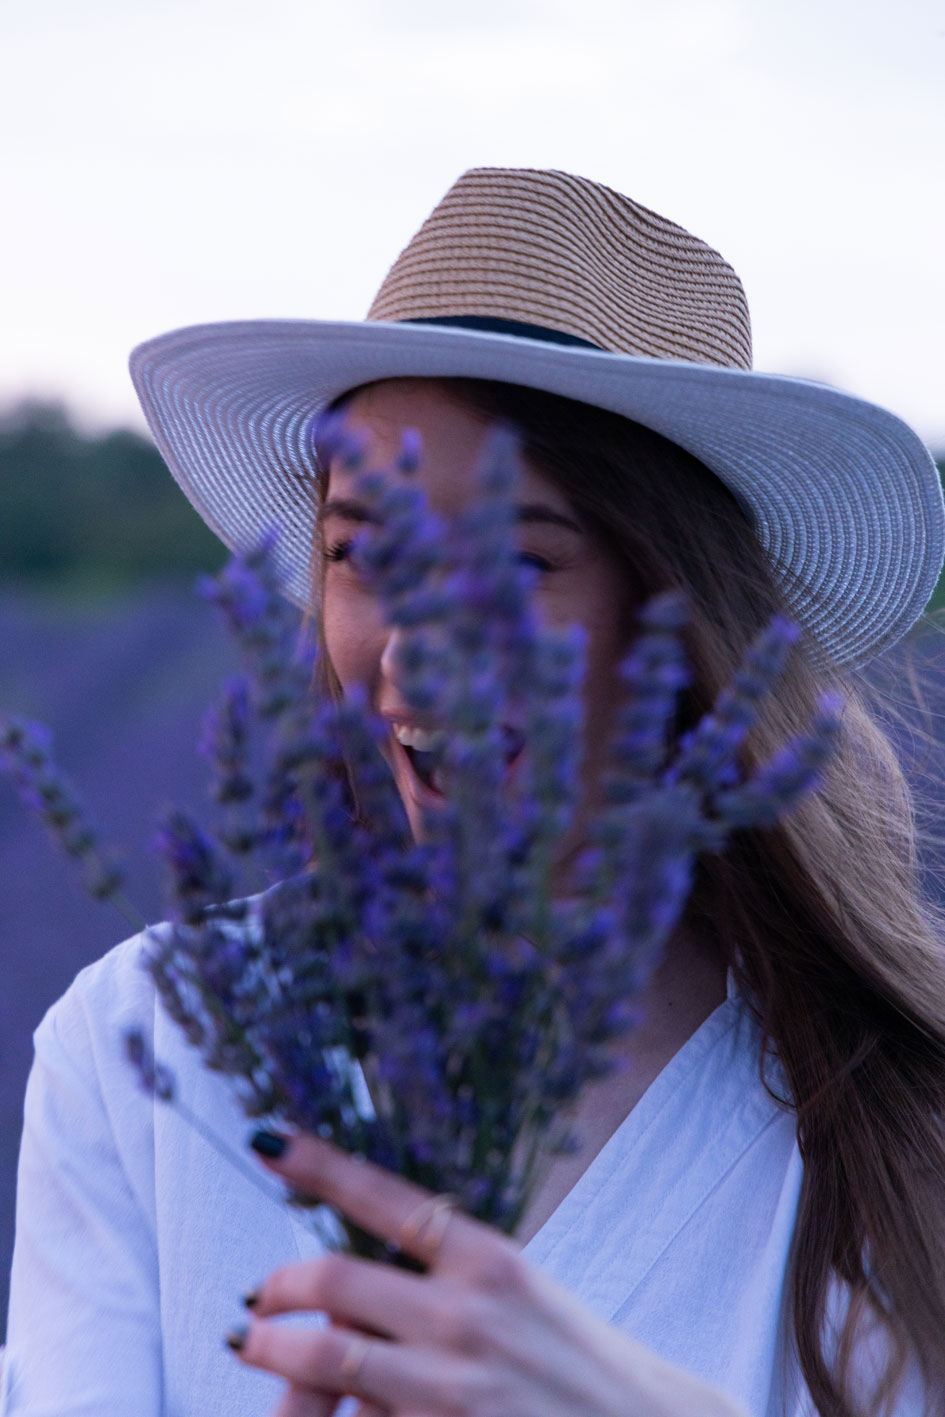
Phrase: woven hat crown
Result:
[512,268]
[564,254]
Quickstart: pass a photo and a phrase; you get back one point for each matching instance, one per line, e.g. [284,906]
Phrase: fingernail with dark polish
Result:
[268,1144]
[300,1201]
[236,1338]
[250,1299]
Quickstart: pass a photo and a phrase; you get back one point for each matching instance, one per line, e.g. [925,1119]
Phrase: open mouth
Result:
[429,768]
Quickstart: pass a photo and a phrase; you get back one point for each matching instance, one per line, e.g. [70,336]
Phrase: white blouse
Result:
[135,1239]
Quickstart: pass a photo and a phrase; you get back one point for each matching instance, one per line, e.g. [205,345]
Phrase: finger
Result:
[376,1299]
[333,1360]
[403,1214]
[324,1362]
[302,1402]
[354,1293]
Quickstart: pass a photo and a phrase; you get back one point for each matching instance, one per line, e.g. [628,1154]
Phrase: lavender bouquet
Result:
[434,1004]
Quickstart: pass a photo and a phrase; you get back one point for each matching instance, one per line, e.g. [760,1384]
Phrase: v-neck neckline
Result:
[699,1114]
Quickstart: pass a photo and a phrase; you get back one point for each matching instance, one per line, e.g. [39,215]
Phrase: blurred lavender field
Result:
[124,685]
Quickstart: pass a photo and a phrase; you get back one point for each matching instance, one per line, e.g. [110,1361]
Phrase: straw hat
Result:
[558,283]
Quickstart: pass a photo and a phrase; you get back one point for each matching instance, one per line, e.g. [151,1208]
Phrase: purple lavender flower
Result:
[779,784]
[197,871]
[708,757]
[26,755]
[154,1078]
[655,673]
[225,743]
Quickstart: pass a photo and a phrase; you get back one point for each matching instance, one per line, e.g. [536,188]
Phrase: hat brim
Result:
[844,496]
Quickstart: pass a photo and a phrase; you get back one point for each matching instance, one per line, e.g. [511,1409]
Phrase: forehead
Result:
[453,441]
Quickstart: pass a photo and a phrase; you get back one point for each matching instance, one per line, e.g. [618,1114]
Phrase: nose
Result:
[394,639]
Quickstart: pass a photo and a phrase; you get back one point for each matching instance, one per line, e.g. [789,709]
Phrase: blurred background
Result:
[175,161]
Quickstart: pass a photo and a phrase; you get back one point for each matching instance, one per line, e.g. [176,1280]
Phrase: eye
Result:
[339,551]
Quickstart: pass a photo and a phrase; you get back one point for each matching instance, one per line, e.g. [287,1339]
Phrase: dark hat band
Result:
[492,325]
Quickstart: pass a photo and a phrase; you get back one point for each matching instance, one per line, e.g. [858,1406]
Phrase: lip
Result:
[403,718]
[422,795]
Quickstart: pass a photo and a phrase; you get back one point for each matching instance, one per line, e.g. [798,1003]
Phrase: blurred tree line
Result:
[102,510]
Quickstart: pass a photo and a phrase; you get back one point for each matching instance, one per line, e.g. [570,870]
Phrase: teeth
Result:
[425,740]
[434,740]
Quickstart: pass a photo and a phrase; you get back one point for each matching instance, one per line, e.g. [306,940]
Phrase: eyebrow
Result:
[350,510]
[525,512]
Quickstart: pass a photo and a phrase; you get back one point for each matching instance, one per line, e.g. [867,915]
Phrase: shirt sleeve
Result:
[84,1331]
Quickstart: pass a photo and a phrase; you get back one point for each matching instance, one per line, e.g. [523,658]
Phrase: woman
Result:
[754,1222]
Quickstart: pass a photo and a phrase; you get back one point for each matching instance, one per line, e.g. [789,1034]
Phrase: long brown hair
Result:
[822,919]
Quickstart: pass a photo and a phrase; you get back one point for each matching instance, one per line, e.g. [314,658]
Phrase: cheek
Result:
[609,640]
[353,637]
[603,686]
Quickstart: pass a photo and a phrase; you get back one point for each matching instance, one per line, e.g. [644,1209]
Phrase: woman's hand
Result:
[480,1334]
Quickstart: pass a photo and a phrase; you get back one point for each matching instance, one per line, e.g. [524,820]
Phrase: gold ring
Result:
[427,1224]
[352,1364]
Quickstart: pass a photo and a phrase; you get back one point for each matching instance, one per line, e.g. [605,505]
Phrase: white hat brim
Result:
[844,496]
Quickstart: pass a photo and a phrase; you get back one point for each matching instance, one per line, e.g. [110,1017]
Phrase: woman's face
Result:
[580,580]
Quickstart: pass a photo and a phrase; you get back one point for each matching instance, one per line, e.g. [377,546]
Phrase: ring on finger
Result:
[426,1226]
[352,1365]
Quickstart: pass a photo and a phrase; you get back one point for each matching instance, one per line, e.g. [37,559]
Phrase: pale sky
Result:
[170,162]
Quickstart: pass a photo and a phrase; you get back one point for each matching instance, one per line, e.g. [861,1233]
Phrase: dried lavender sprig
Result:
[26,755]
[155,1078]
[355,736]
[302,796]
[272,698]
[224,743]
[157,1081]
[530,674]
[347,856]
[490,652]
[301,801]
[709,755]
[655,673]
[660,841]
[404,555]
[197,871]
[789,775]
[247,591]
